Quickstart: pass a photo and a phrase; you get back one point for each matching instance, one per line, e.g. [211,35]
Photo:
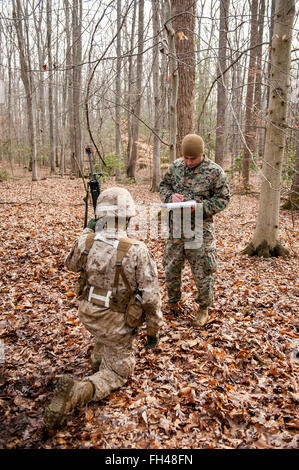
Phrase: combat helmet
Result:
[115,202]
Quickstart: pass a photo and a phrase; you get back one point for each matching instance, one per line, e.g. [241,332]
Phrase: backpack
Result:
[124,301]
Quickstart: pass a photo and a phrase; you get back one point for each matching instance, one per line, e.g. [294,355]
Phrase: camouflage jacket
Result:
[205,183]
[138,265]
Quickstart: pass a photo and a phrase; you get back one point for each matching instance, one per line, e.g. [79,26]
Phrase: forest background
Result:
[130,79]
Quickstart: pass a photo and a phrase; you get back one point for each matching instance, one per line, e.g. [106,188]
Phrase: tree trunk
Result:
[57,119]
[221,83]
[41,49]
[9,100]
[261,147]
[265,239]
[27,79]
[174,81]
[118,92]
[250,121]
[270,39]
[157,112]
[77,72]
[130,86]
[63,130]
[69,86]
[50,87]
[164,83]
[184,26]
[258,79]
[131,170]
[32,137]
[203,124]
[293,202]
[2,94]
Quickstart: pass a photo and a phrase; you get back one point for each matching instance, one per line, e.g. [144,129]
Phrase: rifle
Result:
[94,185]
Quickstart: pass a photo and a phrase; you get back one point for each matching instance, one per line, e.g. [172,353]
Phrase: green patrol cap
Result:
[193,145]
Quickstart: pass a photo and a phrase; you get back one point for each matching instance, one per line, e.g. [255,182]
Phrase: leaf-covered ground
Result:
[232,384]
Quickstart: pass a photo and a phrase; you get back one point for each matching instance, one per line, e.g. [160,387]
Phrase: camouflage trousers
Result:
[114,342]
[203,263]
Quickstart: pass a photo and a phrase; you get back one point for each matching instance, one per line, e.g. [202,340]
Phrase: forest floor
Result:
[232,384]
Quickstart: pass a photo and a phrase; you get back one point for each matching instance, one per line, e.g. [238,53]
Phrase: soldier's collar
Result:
[197,168]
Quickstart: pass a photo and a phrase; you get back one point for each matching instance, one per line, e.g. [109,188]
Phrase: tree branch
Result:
[221,75]
[91,78]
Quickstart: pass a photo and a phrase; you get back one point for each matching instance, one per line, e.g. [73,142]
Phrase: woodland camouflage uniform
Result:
[113,337]
[205,183]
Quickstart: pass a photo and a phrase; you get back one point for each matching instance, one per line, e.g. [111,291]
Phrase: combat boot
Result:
[176,308]
[67,395]
[201,317]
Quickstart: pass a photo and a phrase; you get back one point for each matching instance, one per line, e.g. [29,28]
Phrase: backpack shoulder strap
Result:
[89,241]
[124,245]
[88,244]
[83,275]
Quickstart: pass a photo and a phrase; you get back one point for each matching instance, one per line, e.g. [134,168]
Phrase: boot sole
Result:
[199,323]
[56,410]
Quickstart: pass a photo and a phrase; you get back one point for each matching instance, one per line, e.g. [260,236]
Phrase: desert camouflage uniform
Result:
[205,183]
[113,337]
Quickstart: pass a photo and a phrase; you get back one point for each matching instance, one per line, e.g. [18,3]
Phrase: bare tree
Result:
[50,85]
[41,40]
[157,99]
[69,110]
[221,88]
[118,90]
[265,239]
[173,79]
[21,26]
[250,121]
[183,23]
[2,100]
[57,94]
[77,77]
[292,203]
[131,169]
[130,80]
[258,79]
[65,60]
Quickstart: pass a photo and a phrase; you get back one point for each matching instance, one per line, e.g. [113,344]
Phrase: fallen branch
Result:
[39,202]
[248,222]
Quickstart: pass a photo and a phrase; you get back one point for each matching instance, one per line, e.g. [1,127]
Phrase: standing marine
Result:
[118,291]
[194,177]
